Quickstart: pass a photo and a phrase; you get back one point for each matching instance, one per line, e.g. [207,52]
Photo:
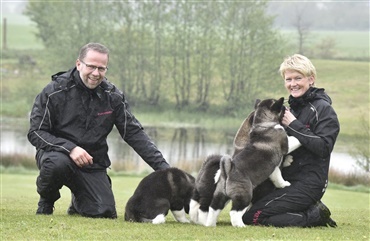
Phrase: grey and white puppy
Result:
[261,144]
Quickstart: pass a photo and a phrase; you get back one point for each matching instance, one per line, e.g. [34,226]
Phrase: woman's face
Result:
[296,83]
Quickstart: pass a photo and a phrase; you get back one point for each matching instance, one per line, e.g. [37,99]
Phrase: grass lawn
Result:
[18,220]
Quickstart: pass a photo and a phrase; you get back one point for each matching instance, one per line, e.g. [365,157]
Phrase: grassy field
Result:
[18,220]
[347,82]
[347,44]
[20,32]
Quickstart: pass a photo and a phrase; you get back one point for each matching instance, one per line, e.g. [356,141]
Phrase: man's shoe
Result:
[45,208]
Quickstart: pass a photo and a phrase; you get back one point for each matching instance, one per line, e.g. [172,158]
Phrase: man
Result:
[69,124]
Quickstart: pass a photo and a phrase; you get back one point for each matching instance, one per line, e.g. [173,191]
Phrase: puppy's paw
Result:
[179,215]
[194,210]
[282,184]
[210,222]
[185,220]
[212,217]
[236,217]
[159,219]
[285,184]
[202,217]
[238,224]
[287,160]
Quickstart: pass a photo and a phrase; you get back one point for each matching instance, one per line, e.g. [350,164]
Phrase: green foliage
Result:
[349,209]
[82,23]
[361,147]
[23,161]
[180,46]
[345,81]
[356,180]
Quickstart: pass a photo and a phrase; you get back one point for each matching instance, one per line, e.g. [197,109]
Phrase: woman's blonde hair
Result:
[299,63]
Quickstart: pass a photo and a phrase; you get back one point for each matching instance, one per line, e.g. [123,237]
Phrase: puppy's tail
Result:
[226,166]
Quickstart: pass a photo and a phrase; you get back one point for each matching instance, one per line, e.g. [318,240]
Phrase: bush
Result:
[18,160]
[349,179]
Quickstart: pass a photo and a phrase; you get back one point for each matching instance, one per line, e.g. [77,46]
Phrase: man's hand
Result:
[81,157]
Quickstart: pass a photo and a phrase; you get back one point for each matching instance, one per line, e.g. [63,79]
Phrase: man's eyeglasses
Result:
[93,67]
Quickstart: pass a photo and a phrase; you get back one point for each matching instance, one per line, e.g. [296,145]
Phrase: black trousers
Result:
[91,187]
[283,207]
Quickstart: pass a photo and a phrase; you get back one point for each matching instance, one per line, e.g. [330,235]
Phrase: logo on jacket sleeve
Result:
[105,113]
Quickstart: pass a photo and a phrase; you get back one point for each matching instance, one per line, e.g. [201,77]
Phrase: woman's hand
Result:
[288,117]
[81,157]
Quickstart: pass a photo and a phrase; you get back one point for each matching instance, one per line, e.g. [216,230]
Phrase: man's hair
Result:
[92,46]
[298,63]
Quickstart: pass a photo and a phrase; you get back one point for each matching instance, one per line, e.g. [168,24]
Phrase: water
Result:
[185,148]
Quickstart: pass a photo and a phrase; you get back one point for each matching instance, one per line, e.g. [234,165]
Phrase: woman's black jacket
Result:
[317,128]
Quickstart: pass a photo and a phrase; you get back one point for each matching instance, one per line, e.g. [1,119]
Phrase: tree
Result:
[250,53]
[302,27]
[181,45]
[326,48]
[64,26]
[206,45]
[170,50]
[361,151]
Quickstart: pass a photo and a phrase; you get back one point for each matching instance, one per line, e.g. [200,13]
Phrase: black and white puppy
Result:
[260,147]
[159,192]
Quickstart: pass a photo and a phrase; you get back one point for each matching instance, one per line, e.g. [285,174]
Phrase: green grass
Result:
[20,32]
[18,220]
[348,44]
[347,83]
[15,42]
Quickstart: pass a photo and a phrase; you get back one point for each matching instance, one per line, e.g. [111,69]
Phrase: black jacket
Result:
[317,128]
[67,114]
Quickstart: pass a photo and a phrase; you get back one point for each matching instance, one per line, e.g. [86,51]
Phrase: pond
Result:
[183,147]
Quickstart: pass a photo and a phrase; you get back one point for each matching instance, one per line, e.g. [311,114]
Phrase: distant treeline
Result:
[187,53]
[322,15]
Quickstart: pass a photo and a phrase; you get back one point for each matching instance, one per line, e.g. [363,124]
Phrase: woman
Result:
[313,121]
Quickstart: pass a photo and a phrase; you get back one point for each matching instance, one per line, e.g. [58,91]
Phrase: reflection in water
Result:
[185,148]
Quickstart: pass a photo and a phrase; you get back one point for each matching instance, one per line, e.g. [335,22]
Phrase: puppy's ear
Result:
[256,103]
[242,135]
[278,105]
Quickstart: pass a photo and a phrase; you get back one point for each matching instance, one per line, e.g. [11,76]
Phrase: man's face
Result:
[92,68]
